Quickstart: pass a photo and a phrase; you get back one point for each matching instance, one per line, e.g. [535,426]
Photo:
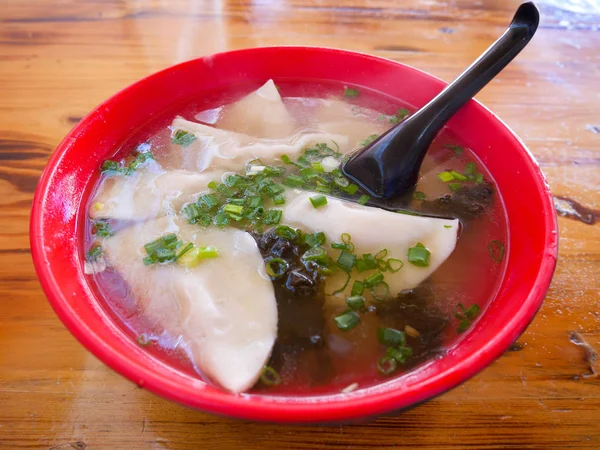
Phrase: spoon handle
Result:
[442,107]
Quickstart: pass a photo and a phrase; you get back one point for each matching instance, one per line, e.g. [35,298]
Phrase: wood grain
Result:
[59,59]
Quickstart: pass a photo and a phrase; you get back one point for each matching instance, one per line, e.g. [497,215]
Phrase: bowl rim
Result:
[328,408]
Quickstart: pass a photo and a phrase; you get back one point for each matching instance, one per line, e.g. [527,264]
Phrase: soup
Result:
[225,239]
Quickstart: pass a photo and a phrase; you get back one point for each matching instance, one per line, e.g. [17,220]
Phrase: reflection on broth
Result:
[226,240]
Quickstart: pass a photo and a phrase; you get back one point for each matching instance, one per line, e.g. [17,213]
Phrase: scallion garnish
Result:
[458,176]
[394,265]
[391,337]
[233,209]
[368,140]
[358,288]
[419,255]
[496,250]
[287,233]
[373,280]
[387,365]
[445,176]
[380,290]
[276,268]
[466,316]
[270,377]
[272,216]
[347,320]
[400,354]
[351,189]
[183,138]
[363,199]
[419,196]
[350,92]
[471,168]
[314,239]
[101,228]
[346,261]
[454,186]
[318,200]
[94,252]
[293,181]
[356,302]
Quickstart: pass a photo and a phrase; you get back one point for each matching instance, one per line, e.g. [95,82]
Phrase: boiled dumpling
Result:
[148,194]
[214,148]
[372,230]
[224,309]
[261,114]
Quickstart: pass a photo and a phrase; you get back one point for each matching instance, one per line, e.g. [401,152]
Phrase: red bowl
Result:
[59,213]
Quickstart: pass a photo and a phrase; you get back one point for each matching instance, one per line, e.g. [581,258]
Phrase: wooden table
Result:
[59,59]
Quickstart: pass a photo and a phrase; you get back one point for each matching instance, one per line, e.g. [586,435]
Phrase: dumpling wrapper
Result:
[148,194]
[219,149]
[225,310]
[372,230]
[261,114]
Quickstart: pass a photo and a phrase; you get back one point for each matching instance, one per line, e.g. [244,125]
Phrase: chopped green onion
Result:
[233,209]
[394,265]
[343,288]
[454,186]
[269,376]
[346,261]
[350,93]
[419,195]
[373,280]
[368,140]
[496,250]
[287,233]
[318,255]
[314,239]
[367,262]
[110,166]
[279,199]
[363,199]
[347,239]
[318,201]
[273,171]
[254,202]
[419,255]
[276,268]
[447,226]
[471,168]
[272,216]
[466,316]
[183,138]
[286,159]
[101,228]
[193,256]
[380,291]
[356,302]
[479,178]
[347,320]
[185,249]
[445,176]
[400,354]
[318,166]
[458,176]
[220,219]
[323,189]
[293,181]
[391,337]
[381,254]
[351,189]
[463,325]
[94,252]
[358,288]
[387,365]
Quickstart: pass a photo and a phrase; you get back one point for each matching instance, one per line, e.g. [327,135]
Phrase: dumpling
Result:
[372,230]
[145,195]
[214,148]
[261,114]
[225,310]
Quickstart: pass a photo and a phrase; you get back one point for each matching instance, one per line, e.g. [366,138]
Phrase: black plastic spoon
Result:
[389,166]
